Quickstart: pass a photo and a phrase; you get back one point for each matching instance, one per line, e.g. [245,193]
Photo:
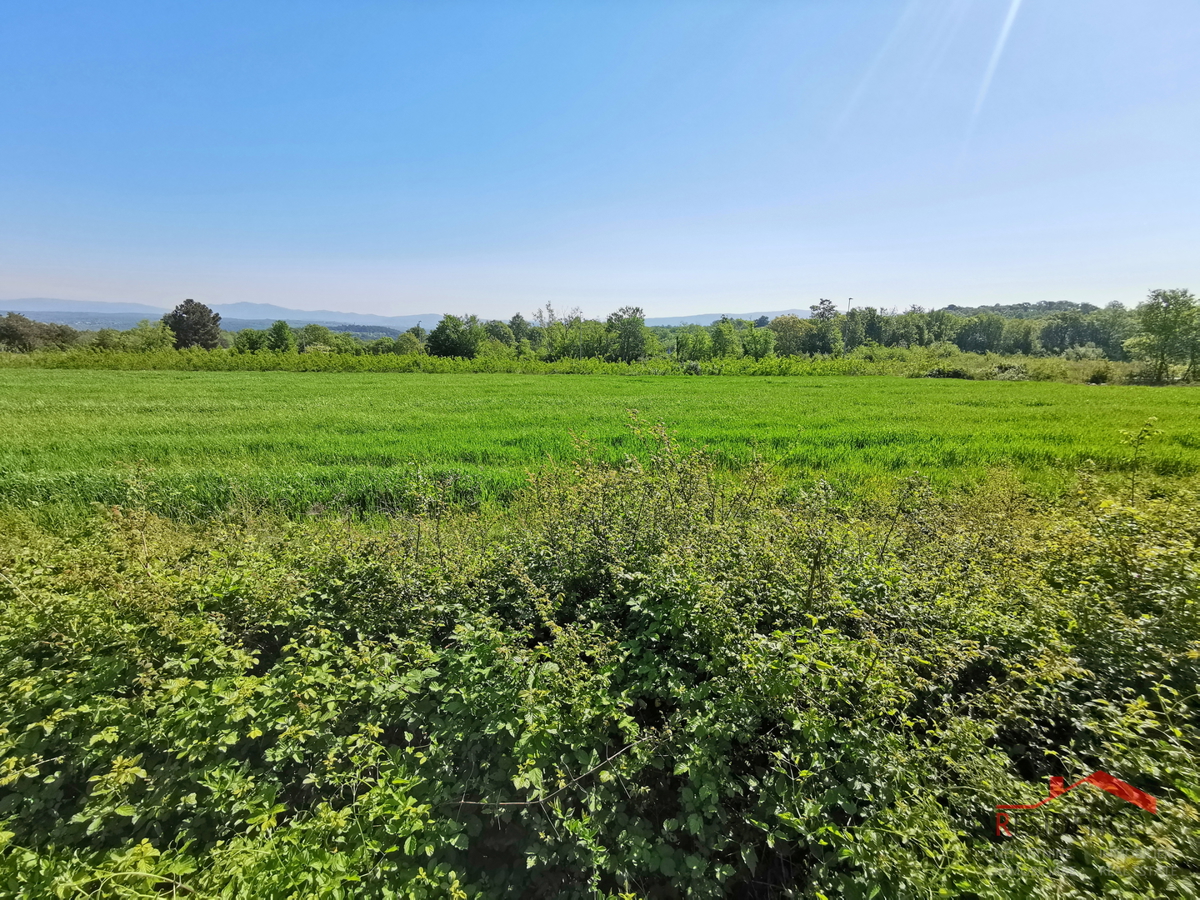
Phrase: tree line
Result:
[1162,333]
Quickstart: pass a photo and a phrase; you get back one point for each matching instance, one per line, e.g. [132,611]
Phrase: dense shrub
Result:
[641,679]
[914,362]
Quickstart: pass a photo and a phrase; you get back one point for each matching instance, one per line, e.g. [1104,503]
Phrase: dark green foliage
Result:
[501,332]
[281,338]
[981,334]
[19,334]
[640,680]
[194,325]
[1039,310]
[1169,335]
[455,337]
[408,344]
[250,340]
[1065,330]
[628,334]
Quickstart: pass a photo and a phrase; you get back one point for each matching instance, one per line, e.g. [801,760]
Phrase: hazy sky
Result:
[689,157]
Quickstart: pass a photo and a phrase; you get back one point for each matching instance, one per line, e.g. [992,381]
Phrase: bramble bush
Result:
[643,679]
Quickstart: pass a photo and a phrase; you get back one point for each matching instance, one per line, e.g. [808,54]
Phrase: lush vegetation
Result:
[1162,336]
[642,678]
[198,441]
[349,634]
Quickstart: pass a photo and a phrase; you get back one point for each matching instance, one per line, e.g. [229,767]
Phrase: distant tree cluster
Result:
[1163,333]
[19,334]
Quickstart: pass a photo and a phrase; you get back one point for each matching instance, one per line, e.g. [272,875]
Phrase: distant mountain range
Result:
[93,314]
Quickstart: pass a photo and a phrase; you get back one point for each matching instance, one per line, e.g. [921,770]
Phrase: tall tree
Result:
[980,334]
[194,325]
[280,337]
[1019,336]
[628,328]
[758,342]
[250,340]
[520,328]
[1169,322]
[456,337]
[826,336]
[791,334]
[854,329]
[693,345]
[502,332]
[312,335]
[725,339]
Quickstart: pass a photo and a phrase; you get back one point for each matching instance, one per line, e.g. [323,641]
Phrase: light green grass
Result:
[356,438]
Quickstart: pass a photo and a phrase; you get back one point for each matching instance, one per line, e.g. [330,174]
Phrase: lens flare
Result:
[1013,9]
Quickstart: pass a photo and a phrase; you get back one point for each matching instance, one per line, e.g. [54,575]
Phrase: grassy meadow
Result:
[298,439]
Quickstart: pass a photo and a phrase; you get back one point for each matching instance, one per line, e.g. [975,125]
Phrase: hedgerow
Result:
[641,679]
[915,362]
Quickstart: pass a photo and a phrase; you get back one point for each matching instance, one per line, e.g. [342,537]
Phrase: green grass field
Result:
[306,438]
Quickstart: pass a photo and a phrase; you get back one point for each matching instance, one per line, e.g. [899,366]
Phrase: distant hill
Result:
[273,313]
[709,318]
[90,315]
[1024,310]
[45,304]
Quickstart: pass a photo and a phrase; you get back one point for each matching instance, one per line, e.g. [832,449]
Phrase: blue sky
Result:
[689,157]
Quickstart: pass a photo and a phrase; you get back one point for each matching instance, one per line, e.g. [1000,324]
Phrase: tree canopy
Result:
[194,325]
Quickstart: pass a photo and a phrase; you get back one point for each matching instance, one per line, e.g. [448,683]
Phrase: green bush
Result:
[641,679]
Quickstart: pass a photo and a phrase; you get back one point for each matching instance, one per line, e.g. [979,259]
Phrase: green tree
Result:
[250,340]
[854,331]
[1168,324]
[725,340]
[824,310]
[1114,325]
[408,344]
[314,334]
[108,339]
[491,348]
[345,342]
[791,334]
[1019,336]
[628,329]
[194,325]
[456,337]
[501,332]
[693,345]
[758,342]
[980,334]
[148,336]
[281,338]
[1064,330]
[826,335]
[520,328]
[22,335]
[909,329]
